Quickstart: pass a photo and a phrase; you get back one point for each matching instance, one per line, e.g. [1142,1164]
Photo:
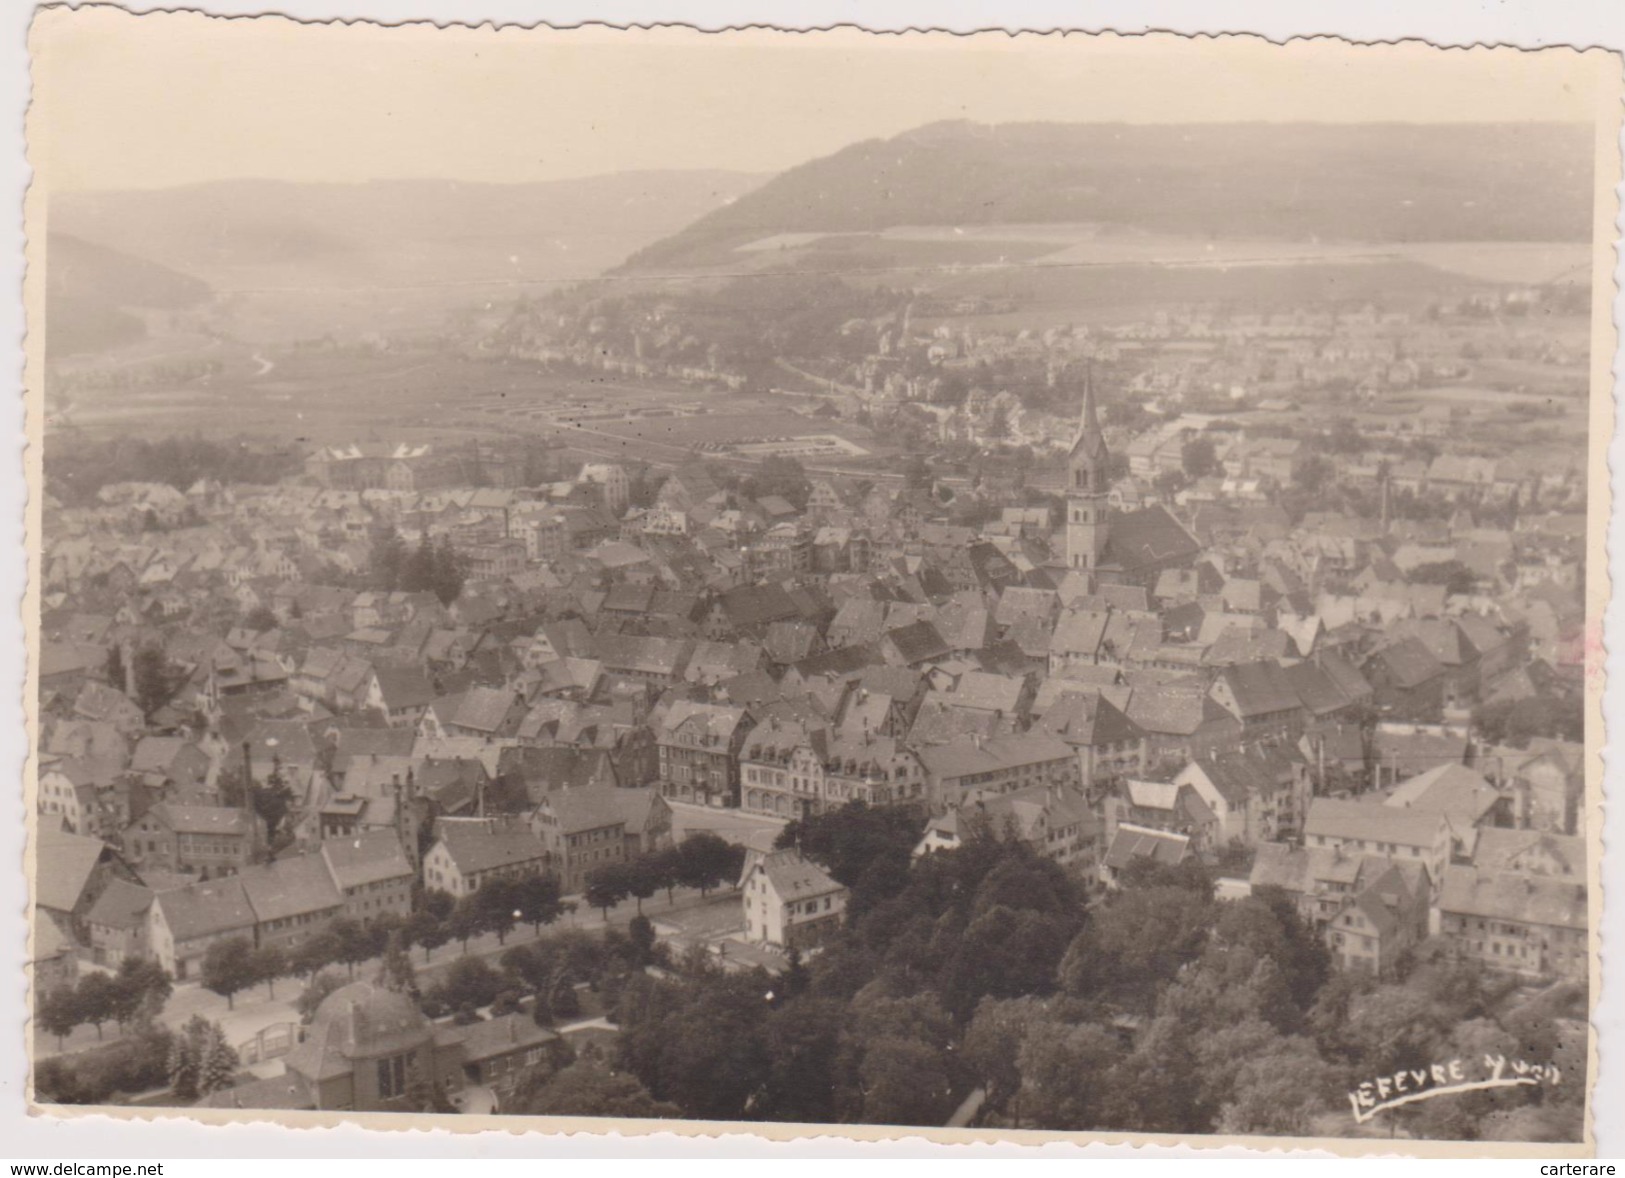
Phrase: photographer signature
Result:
[1409,1085]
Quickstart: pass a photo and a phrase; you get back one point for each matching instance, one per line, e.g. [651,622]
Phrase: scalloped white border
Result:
[1455,23]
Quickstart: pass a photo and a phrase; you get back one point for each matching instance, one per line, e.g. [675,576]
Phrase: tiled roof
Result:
[1260,688]
[404,687]
[63,866]
[918,643]
[1136,842]
[370,857]
[205,909]
[794,877]
[1453,790]
[122,904]
[480,845]
[1139,539]
[484,709]
[1409,662]
[229,820]
[1518,898]
[1372,822]
[293,886]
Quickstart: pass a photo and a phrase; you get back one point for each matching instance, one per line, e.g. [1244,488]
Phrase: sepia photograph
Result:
[1001,587]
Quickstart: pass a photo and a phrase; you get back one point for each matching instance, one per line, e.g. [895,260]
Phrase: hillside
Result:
[264,234]
[1362,183]
[92,290]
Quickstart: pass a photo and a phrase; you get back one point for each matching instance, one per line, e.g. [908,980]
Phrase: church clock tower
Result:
[1087,483]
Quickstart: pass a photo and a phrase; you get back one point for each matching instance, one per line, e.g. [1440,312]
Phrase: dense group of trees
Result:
[1159,1009]
[135,992]
[200,1061]
[703,861]
[1516,722]
[426,568]
[133,1064]
[76,467]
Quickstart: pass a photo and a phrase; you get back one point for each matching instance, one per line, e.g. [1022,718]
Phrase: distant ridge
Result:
[1367,183]
[91,290]
[245,233]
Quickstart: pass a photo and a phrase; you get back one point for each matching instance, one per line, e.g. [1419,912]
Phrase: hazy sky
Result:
[124,101]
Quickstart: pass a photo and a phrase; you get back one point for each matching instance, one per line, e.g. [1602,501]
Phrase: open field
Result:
[999,246]
[335,397]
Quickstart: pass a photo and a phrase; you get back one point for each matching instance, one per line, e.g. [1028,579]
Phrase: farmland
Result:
[334,397]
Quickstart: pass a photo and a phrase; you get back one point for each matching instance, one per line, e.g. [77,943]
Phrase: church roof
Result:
[1091,442]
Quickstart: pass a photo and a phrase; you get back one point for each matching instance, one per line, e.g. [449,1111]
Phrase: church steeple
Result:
[1089,458]
[1088,478]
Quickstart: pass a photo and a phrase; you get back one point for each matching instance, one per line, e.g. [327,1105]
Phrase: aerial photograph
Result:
[961,591]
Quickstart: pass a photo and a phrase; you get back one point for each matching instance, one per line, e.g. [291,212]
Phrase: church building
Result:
[1115,547]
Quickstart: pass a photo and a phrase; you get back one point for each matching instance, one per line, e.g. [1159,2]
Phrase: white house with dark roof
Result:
[116,923]
[292,898]
[183,922]
[192,838]
[1369,827]
[470,851]
[790,901]
[1529,925]
[402,694]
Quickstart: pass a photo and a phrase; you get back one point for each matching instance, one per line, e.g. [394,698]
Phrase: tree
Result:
[641,878]
[260,619]
[395,971]
[1197,458]
[428,929]
[200,1060]
[450,572]
[905,1082]
[782,476]
[1065,1074]
[666,865]
[59,1013]
[217,1061]
[1279,1090]
[353,946]
[641,933]
[917,474]
[182,1066]
[387,559]
[272,800]
[993,1044]
[469,983]
[98,999]
[804,1044]
[1455,576]
[497,903]
[464,922]
[156,681]
[606,887]
[228,966]
[856,843]
[269,962]
[313,954]
[316,992]
[1313,473]
[1138,940]
[113,666]
[589,1088]
[141,987]
[998,424]
[537,900]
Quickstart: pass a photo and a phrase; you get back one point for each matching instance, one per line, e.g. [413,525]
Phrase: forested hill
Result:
[91,289]
[1365,183]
